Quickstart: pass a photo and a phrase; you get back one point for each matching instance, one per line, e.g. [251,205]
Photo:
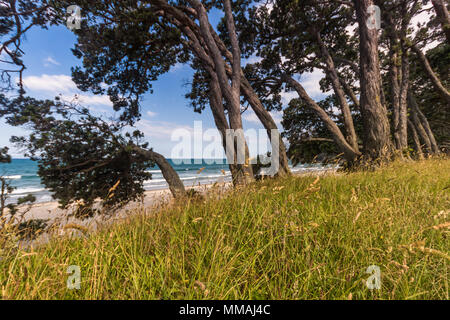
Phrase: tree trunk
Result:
[339,92]
[263,115]
[377,143]
[433,77]
[402,128]
[234,112]
[443,16]
[268,123]
[176,186]
[216,105]
[425,123]
[416,140]
[421,131]
[395,94]
[230,92]
[200,42]
[349,153]
[350,93]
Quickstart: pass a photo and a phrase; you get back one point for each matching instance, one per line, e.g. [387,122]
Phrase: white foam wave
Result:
[27,190]
[17,177]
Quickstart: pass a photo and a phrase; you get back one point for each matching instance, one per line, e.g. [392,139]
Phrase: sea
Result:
[22,174]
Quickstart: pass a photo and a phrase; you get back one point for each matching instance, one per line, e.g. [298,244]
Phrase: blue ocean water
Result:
[22,173]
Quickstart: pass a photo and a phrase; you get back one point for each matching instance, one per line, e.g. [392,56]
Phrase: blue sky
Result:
[49,60]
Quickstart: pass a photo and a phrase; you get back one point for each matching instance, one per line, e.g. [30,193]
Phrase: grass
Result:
[293,238]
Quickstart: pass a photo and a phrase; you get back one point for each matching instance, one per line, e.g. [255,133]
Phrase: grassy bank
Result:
[294,238]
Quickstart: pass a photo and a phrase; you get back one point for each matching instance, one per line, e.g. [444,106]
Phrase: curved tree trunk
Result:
[377,140]
[263,115]
[230,91]
[431,74]
[349,153]
[268,123]
[216,105]
[339,92]
[176,186]
[425,123]
[443,16]
[421,131]
[416,139]
[402,128]
[350,93]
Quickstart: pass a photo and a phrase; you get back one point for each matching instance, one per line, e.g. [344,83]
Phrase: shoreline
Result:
[62,221]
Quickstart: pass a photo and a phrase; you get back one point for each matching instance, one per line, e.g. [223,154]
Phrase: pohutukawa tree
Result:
[441,9]
[80,155]
[401,40]
[130,50]
[377,138]
[293,38]
[126,45]
[83,158]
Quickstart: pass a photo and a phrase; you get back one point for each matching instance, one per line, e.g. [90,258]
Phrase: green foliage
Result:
[430,102]
[80,156]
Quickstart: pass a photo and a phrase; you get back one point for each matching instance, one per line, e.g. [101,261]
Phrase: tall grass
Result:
[293,238]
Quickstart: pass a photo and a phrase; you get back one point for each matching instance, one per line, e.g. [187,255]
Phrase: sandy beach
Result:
[62,220]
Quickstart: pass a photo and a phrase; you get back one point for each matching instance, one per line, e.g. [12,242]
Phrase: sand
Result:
[61,219]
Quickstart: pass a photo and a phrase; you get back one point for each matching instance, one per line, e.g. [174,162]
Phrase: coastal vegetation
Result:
[382,115]
[380,80]
[302,237]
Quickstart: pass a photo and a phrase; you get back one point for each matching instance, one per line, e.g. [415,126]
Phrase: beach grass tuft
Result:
[290,238]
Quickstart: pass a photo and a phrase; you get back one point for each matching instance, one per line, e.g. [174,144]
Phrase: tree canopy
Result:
[384,92]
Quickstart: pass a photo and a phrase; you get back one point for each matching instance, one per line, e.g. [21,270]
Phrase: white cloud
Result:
[251,60]
[151,114]
[50,83]
[50,61]
[88,100]
[49,86]
[160,129]
[250,116]
[310,81]
[177,67]
[286,97]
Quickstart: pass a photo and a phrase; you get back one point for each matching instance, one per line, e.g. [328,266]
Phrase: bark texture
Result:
[433,77]
[340,94]
[176,186]
[415,137]
[424,122]
[443,16]
[231,92]
[377,143]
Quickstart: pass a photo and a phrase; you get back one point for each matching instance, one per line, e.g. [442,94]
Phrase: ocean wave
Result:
[45,198]
[216,176]
[17,177]
[154,181]
[27,190]
[153,171]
